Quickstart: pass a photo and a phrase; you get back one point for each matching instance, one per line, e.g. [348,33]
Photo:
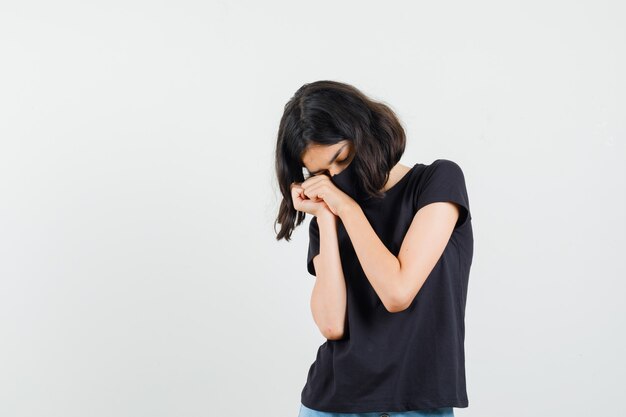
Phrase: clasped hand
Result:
[319,193]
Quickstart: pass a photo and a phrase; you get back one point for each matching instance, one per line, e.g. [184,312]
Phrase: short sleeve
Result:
[443,180]
[314,244]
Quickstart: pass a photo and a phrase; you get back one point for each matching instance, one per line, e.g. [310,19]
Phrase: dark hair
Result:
[326,112]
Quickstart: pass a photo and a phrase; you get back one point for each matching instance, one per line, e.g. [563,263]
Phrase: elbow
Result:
[333,332]
[397,304]
[395,308]
[400,298]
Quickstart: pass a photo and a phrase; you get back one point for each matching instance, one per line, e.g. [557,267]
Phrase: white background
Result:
[139,271]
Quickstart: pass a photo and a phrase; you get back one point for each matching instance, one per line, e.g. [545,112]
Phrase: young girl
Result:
[390,247]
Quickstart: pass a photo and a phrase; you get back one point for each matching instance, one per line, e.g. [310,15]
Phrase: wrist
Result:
[347,208]
[325,216]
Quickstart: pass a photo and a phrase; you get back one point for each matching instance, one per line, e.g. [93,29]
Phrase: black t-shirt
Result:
[409,360]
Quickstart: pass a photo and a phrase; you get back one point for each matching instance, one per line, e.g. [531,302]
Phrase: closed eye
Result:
[309,175]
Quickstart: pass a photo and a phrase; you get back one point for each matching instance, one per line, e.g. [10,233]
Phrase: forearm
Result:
[381,267]
[329,299]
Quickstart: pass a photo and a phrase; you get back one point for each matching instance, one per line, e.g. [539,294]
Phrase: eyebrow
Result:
[331,160]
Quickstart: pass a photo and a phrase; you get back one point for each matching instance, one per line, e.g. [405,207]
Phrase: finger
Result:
[297,194]
[315,192]
[296,191]
[313,180]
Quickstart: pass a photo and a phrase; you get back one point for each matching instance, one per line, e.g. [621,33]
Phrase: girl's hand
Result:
[301,202]
[321,188]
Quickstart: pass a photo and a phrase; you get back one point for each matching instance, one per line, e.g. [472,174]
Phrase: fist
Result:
[302,202]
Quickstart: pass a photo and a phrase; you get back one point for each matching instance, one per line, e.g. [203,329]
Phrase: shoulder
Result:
[442,180]
[440,172]
[444,166]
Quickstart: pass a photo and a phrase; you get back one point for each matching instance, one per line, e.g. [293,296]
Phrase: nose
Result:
[335,171]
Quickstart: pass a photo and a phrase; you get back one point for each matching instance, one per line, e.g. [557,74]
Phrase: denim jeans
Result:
[438,412]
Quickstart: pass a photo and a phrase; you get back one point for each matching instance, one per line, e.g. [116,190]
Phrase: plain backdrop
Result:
[139,269]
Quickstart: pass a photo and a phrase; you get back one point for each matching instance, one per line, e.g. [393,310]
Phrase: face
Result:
[331,159]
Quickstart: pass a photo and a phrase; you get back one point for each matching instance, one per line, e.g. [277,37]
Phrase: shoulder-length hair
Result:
[326,112]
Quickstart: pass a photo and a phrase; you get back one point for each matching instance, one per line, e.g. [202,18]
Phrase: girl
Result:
[390,247]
